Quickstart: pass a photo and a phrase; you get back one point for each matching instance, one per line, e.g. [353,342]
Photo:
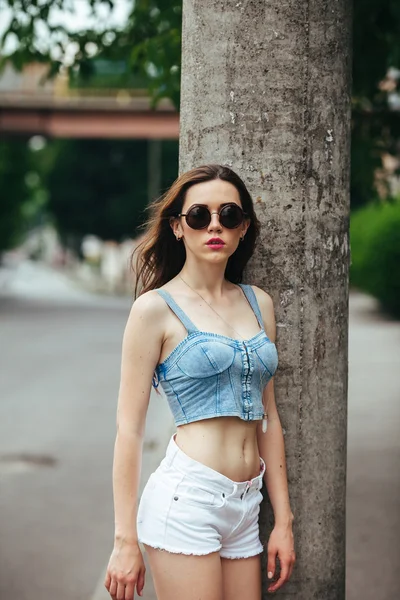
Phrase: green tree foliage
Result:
[375,252]
[375,128]
[101,186]
[14,193]
[149,43]
[376,47]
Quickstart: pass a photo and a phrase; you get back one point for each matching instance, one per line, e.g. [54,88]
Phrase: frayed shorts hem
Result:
[167,548]
[236,556]
[222,554]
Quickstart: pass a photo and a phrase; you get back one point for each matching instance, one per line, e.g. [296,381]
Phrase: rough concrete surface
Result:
[266,91]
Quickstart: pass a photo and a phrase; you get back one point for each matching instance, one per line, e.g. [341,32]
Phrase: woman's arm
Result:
[271,444]
[142,342]
[140,353]
[272,449]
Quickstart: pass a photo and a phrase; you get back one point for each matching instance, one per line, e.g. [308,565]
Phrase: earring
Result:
[242,238]
[178,239]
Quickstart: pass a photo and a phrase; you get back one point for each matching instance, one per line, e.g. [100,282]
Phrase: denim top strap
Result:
[251,297]
[178,311]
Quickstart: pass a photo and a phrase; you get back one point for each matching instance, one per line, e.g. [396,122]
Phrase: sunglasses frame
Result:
[216,212]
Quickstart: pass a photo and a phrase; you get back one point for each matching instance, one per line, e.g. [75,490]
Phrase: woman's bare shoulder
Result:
[149,309]
[266,305]
[263,298]
[149,303]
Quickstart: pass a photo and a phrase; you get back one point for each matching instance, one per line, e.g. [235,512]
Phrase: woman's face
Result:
[203,243]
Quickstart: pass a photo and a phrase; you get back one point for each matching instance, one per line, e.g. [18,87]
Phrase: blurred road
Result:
[60,354]
[59,382]
[373,466]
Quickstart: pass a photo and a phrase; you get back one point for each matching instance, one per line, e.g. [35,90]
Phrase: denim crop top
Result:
[211,375]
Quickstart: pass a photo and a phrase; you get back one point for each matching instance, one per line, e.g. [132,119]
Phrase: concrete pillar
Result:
[266,90]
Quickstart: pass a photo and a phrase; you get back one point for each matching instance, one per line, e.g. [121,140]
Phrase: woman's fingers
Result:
[129,591]
[120,591]
[107,581]
[113,588]
[125,571]
[140,581]
[283,577]
[271,563]
[291,567]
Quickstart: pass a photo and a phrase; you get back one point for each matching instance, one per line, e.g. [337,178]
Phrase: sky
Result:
[78,18]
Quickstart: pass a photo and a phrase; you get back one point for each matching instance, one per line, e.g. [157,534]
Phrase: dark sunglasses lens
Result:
[231,216]
[198,217]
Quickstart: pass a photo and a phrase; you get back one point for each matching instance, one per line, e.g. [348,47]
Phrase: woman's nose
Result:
[214,223]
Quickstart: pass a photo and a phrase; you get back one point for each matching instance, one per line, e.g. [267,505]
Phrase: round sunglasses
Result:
[199,217]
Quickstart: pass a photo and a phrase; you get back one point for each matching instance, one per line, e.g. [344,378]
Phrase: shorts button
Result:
[223,495]
[176,498]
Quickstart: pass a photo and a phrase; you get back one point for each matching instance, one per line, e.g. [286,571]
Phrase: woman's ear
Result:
[246,225]
[176,227]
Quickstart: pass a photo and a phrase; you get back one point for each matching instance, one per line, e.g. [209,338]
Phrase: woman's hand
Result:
[125,571]
[281,544]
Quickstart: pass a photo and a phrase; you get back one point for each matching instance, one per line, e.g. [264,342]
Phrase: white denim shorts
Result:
[189,508]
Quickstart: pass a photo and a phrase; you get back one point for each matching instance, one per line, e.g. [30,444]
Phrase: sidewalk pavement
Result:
[28,279]
[373,453]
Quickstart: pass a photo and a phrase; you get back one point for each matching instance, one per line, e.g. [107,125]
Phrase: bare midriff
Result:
[226,444]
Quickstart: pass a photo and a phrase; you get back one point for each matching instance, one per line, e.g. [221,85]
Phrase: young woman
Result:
[208,340]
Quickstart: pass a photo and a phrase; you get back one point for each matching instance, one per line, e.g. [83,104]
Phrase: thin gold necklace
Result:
[265,414]
[213,309]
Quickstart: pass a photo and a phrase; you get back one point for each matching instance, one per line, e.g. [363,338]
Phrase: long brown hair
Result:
[159,257]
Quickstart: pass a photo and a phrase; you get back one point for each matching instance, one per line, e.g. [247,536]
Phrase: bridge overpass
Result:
[29,105]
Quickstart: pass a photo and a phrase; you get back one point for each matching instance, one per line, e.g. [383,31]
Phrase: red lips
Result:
[215,241]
